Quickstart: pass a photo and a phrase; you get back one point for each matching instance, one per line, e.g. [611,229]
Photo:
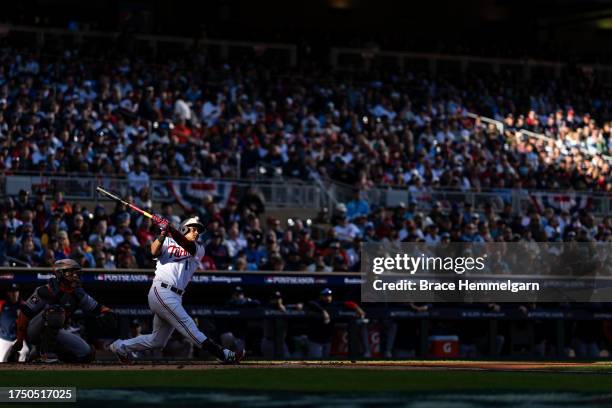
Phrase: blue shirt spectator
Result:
[357,206]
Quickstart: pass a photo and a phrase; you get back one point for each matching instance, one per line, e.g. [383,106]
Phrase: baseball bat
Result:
[154,217]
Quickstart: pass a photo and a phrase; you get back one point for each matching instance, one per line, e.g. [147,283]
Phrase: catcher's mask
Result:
[68,271]
[192,222]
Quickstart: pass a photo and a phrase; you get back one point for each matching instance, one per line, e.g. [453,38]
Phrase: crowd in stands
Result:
[193,118]
[35,231]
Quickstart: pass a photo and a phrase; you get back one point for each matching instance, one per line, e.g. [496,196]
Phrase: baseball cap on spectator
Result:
[326,292]
[13,288]
[277,295]
[238,289]
[341,208]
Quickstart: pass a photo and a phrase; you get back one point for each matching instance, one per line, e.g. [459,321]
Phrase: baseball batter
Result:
[178,254]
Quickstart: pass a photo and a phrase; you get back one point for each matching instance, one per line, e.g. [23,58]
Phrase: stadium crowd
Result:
[71,114]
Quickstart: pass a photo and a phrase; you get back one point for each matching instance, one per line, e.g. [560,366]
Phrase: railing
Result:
[599,205]
[501,127]
[341,57]
[434,60]
[225,47]
[278,194]
[296,194]
[362,56]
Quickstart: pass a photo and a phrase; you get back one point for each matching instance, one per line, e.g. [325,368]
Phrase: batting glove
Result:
[162,223]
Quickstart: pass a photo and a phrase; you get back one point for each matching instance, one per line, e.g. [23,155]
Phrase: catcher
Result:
[45,314]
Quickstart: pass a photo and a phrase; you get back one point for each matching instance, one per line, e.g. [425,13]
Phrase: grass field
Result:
[312,377]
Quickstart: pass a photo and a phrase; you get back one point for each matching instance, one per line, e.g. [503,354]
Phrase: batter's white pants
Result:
[5,345]
[169,315]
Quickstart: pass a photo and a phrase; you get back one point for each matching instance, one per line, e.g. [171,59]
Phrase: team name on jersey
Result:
[177,251]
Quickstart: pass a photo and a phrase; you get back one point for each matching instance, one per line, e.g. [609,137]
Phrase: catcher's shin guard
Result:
[83,359]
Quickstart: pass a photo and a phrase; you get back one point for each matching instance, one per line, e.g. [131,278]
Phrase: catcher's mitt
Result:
[106,321]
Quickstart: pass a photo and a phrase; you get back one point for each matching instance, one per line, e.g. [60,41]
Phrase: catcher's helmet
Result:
[67,270]
[191,222]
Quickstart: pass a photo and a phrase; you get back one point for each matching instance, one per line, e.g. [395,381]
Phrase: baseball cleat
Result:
[234,357]
[121,355]
[47,358]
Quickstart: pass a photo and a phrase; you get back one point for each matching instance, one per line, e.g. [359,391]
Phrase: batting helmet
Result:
[68,270]
[191,222]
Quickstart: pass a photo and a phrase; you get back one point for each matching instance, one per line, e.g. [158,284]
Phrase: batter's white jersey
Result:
[175,265]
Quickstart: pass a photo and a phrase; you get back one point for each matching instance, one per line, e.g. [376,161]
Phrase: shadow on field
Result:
[190,398]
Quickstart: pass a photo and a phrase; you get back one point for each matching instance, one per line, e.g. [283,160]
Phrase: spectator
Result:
[235,242]
[253,201]
[100,236]
[345,230]
[218,251]
[357,206]
[125,257]
[144,233]
[138,178]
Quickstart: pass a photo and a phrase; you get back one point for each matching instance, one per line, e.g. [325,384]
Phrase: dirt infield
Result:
[544,366]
